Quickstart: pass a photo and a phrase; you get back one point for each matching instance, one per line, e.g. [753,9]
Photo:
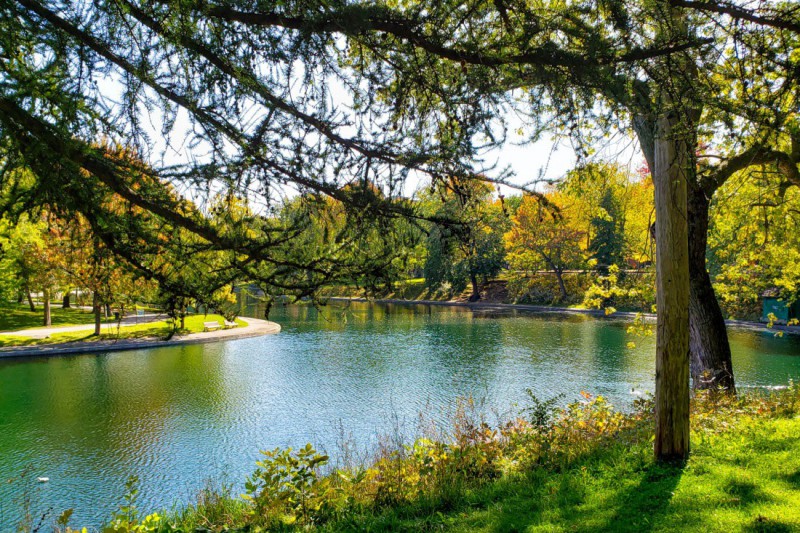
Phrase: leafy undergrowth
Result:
[586,468]
[160,329]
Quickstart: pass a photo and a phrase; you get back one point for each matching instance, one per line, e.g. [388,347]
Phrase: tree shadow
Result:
[745,493]
[762,524]
[793,479]
[635,509]
[640,507]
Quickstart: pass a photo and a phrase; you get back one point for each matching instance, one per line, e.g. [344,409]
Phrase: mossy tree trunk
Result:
[673,154]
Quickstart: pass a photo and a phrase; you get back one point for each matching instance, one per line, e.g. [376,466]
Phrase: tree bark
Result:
[30,300]
[561,287]
[709,348]
[65,301]
[673,162]
[46,296]
[107,310]
[476,291]
[97,312]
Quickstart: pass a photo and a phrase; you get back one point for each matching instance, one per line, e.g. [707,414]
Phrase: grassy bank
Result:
[19,316]
[109,331]
[583,468]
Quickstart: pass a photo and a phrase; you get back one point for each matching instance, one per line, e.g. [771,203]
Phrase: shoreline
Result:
[597,313]
[255,327]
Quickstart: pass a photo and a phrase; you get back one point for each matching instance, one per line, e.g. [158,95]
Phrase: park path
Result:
[107,327]
[254,327]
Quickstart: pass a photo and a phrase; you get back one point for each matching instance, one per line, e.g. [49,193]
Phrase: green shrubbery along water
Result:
[584,467]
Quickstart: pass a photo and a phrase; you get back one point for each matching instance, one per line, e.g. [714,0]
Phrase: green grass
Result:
[744,480]
[161,329]
[19,316]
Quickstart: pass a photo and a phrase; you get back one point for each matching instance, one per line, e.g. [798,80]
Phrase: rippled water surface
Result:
[178,416]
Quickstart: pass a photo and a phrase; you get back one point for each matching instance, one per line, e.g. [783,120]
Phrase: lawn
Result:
[161,329]
[19,316]
[747,479]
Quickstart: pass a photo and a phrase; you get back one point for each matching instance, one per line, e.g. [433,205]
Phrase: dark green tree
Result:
[608,235]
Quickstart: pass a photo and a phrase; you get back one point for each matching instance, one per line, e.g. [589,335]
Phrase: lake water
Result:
[178,416]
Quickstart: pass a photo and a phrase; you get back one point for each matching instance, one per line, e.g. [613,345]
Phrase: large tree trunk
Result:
[708,338]
[46,296]
[97,313]
[674,161]
[65,301]
[476,291]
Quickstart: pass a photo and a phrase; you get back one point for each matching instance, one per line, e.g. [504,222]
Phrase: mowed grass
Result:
[20,316]
[160,329]
[744,479]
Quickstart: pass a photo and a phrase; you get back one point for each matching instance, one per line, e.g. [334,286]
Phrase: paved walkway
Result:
[255,328]
[43,332]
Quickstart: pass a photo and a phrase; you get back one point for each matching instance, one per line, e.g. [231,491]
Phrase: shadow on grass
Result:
[635,509]
[766,525]
[745,492]
[793,479]
[14,317]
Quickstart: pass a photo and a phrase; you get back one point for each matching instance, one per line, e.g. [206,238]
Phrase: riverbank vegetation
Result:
[585,467]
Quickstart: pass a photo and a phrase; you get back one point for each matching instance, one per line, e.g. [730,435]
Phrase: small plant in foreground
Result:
[286,487]
[126,519]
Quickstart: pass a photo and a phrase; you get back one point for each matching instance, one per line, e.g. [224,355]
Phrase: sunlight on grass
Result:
[109,331]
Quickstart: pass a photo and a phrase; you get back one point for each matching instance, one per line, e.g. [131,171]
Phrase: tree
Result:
[607,243]
[469,245]
[544,236]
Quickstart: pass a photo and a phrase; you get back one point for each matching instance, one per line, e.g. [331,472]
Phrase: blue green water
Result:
[181,415]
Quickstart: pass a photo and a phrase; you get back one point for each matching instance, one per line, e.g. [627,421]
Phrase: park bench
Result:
[230,324]
[209,326]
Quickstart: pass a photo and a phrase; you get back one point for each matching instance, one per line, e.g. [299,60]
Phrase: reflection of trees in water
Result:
[113,405]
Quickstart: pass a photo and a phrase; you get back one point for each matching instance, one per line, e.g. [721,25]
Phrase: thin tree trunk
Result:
[673,161]
[46,295]
[97,313]
[183,320]
[65,301]
[20,296]
[107,309]
[708,337]
[30,300]
[476,291]
[561,287]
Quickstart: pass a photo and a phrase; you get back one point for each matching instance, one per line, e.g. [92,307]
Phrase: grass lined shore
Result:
[22,319]
[587,467]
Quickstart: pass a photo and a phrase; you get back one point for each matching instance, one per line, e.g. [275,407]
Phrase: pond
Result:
[177,417]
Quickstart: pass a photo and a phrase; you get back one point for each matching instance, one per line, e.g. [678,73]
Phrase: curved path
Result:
[255,328]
